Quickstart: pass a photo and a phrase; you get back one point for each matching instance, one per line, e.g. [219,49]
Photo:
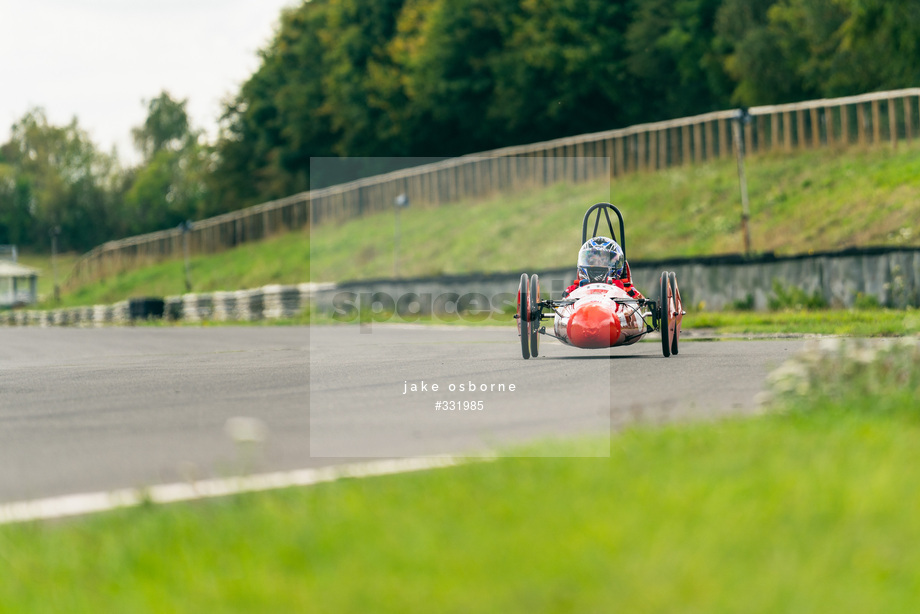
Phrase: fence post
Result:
[710,151]
[876,124]
[742,117]
[652,150]
[640,151]
[844,124]
[908,129]
[892,123]
[774,130]
[663,148]
[697,143]
[815,129]
[861,123]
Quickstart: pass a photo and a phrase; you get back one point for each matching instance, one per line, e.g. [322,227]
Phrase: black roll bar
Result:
[605,207]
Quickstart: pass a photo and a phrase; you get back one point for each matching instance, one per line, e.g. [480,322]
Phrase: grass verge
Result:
[843,322]
[808,508]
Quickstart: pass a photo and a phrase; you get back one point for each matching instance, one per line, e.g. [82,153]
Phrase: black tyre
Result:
[678,306]
[523,313]
[664,314]
[535,315]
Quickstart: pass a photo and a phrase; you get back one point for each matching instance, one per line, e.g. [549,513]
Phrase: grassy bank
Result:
[817,200]
[807,508]
[282,260]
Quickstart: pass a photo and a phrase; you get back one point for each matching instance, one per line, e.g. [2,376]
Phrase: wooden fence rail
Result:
[868,119]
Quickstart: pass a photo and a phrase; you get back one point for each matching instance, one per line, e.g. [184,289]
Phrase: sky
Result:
[99,60]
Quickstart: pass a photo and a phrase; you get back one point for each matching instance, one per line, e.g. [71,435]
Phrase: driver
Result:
[601,260]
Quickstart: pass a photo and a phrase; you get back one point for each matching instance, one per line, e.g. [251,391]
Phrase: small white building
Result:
[17,284]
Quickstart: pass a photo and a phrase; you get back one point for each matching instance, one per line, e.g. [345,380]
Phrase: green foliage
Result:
[883,375]
[866,301]
[786,50]
[794,298]
[742,304]
[171,185]
[676,39]
[166,126]
[53,177]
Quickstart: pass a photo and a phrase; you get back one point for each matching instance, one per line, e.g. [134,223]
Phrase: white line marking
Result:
[87,503]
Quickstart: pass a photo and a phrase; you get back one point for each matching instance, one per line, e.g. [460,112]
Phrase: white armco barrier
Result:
[87,316]
[224,304]
[197,307]
[249,304]
[120,313]
[280,301]
[274,301]
[60,317]
[102,315]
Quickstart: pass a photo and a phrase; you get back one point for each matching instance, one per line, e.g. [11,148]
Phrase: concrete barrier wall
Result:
[890,276]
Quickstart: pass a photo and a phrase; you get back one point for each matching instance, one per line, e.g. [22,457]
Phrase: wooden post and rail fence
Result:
[868,119]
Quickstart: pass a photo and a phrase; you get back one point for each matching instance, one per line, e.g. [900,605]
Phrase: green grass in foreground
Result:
[815,200]
[809,508]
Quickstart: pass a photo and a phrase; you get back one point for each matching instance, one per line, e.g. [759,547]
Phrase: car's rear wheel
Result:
[677,313]
[535,314]
[664,314]
[523,315]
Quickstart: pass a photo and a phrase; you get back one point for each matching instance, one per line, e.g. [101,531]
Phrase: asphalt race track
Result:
[85,410]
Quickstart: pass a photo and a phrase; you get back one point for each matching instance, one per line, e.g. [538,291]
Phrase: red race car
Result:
[601,309]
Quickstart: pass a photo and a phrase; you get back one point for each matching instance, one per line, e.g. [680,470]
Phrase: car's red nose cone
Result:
[593,326]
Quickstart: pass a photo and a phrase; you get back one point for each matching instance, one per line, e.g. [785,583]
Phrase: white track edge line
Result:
[87,503]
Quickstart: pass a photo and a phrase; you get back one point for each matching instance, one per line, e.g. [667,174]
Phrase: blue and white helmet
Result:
[600,259]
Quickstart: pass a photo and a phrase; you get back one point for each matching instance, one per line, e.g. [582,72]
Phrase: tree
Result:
[882,42]
[671,56]
[15,198]
[279,118]
[54,176]
[752,55]
[170,186]
[166,126]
